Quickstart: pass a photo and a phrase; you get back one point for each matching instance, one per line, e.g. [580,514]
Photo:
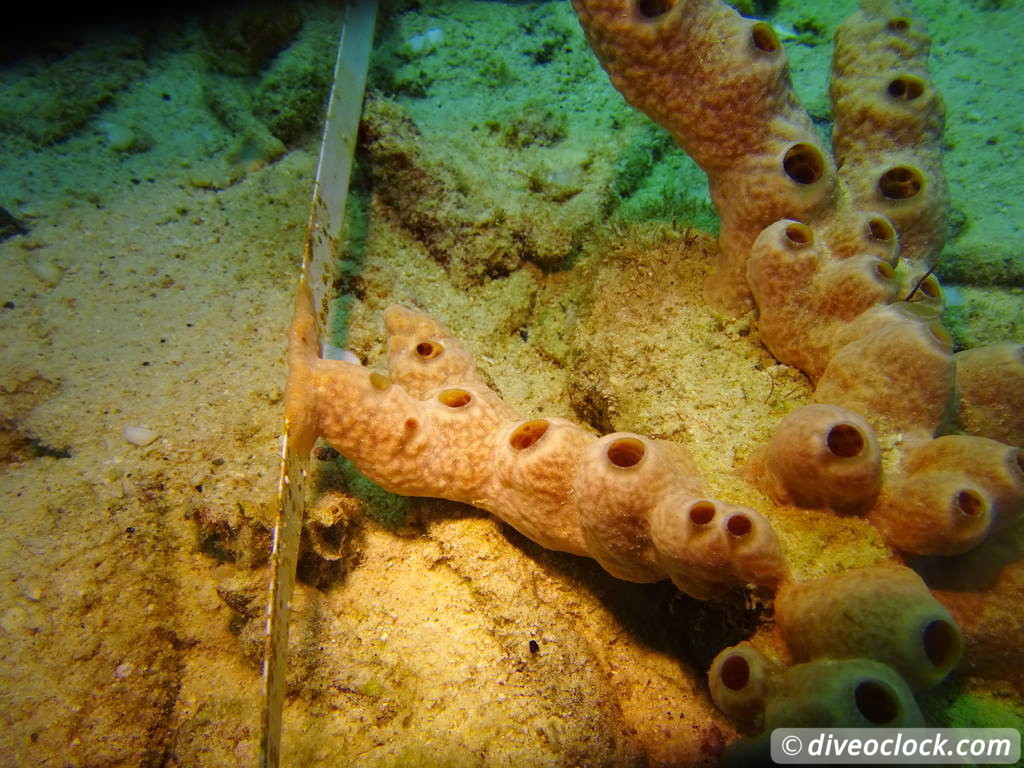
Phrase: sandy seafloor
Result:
[163,171]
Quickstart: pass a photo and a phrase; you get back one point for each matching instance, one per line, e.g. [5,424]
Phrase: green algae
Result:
[58,94]
[985,314]
[979,709]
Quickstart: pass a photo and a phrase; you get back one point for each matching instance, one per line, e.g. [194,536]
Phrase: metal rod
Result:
[327,215]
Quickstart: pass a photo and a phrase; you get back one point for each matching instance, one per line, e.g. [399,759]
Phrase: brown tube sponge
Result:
[882,612]
[995,468]
[888,125]
[933,513]
[440,447]
[621,478]
[706,545]
[823,456]
[900,376]
[742,679]
[720,84]
[435,430]
[423,355]
[991,384]
[536,468]
[807,296]
[848,693]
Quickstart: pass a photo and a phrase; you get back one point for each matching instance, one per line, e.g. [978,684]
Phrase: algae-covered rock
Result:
[10,226]
[242,40]
[292,94]
[534,124]
[447,204]
[51,98]
[291,50]
[756,7]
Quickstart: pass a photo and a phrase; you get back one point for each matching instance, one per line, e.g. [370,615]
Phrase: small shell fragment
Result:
[332,352]
[49,273]
[139,435]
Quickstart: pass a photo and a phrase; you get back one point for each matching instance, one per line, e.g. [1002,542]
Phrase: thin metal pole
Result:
[326,220]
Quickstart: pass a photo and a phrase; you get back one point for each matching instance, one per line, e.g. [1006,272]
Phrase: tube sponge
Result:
[956,489]
[423,355]
[643,519]
[441,446]
[705,545]
[621,478]
[450,436]
[827,693]
[720,84]
[536,468]
[900,375]
[741,680]
[824,456]
[888,126]
[846,693]
[991,384]
[998,468]
[933,513]
[808,288]
[882,612]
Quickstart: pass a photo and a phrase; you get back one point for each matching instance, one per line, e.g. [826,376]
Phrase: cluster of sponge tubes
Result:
[877,628]
[824,250]
[833,255]
[950,493]
[433,428]
[862,643]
